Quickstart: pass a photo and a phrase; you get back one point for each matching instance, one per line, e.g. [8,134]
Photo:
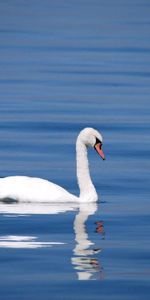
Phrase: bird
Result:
[34,189]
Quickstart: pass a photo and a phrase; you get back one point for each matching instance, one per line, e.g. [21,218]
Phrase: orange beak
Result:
[99,150]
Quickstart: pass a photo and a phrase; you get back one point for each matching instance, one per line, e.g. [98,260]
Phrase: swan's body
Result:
[29,189]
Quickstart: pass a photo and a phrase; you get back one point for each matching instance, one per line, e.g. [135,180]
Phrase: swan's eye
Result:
[98,142]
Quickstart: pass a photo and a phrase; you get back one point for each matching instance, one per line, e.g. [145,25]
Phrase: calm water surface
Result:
[66,65]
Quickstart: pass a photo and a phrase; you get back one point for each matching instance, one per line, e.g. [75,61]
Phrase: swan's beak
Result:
[99,150]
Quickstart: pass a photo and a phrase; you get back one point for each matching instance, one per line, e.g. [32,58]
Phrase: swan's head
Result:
[91,137]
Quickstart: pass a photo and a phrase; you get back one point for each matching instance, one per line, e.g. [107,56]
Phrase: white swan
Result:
[29,189]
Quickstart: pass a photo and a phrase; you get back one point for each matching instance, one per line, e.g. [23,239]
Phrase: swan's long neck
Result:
[87,189]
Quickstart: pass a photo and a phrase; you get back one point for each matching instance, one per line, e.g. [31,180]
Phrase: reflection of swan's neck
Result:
[82,253]
[87,189]
[81,236]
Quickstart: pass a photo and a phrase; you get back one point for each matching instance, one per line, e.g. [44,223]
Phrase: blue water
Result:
[66,65]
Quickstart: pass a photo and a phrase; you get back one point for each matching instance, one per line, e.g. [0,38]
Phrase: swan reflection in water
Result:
[84,262]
